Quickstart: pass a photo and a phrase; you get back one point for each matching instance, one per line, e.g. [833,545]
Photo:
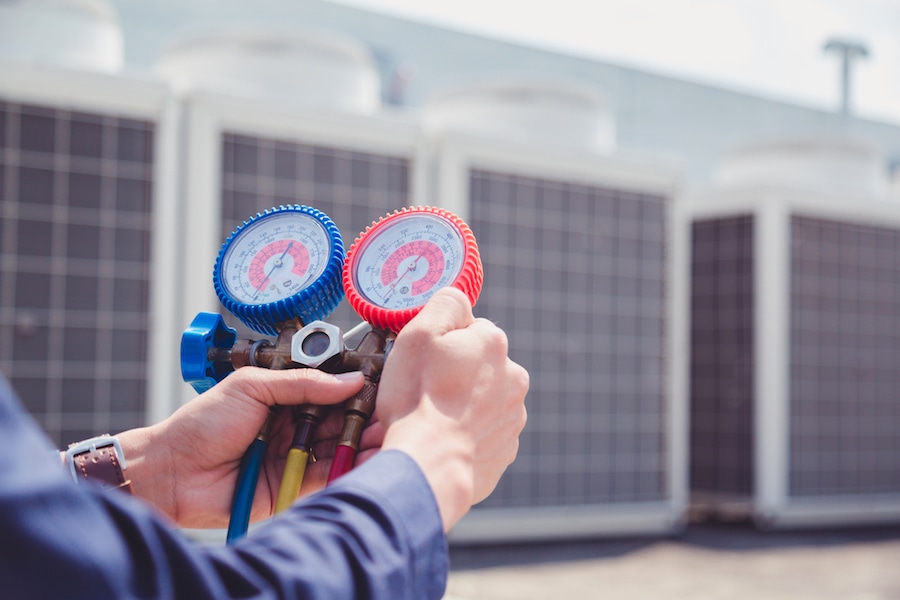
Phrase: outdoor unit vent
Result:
[78,34]
[81,175]
[795,340]
[306,68]
[538,112]
[579,258]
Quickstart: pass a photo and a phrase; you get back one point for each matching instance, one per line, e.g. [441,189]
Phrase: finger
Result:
[296,386]
[447,310]
[490,334]
[372,437]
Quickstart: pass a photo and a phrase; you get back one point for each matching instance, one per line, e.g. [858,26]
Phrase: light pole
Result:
[848,50]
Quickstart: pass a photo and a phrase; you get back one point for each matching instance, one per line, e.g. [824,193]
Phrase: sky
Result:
[769,48]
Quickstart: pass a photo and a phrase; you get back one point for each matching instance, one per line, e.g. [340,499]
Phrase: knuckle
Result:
[414,334]
[523,379]
[496,337]
[243,378]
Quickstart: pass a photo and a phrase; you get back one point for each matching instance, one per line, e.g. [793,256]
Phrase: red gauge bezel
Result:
[469,280]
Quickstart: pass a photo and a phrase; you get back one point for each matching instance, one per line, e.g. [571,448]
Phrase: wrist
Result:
[149,467]
[100,460]
[445,457]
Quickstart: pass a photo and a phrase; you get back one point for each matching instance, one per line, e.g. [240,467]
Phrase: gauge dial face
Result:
[404,262]
[275,257]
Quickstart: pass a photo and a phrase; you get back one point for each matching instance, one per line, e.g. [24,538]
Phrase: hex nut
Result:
[316,343]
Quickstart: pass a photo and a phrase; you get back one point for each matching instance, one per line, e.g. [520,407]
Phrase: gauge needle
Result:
[278,262]
[411,267]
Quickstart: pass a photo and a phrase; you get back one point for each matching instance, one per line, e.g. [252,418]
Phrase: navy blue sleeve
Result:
[375,533]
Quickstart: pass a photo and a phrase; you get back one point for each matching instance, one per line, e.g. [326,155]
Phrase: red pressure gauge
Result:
[400,261]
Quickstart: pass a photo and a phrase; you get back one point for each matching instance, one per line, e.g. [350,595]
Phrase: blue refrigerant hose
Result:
[245,489]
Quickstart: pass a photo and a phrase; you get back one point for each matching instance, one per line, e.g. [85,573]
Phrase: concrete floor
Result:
[721,562]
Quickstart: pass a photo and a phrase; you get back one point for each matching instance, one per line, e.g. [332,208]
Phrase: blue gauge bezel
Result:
[314,302]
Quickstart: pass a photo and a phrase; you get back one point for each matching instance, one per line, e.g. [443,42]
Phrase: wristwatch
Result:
[99,459]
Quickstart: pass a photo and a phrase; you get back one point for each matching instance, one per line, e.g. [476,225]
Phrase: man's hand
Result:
[451,398]
[187,465]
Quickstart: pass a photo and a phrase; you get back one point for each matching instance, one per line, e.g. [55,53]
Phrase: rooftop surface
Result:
[721,562]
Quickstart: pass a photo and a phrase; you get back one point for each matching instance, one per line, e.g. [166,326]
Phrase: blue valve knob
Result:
[207,332]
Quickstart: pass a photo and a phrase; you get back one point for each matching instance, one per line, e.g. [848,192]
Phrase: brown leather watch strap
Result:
[99,459]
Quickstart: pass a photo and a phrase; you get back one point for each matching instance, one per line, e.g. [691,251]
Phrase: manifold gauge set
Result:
[282,272]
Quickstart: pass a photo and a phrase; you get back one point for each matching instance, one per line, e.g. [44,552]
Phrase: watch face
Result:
[403,261]
[275,257]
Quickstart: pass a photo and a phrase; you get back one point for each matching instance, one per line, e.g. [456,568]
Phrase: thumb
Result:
[294,386]
[449,309]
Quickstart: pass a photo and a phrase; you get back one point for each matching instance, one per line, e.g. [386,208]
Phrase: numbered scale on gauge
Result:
[280,265]
[399,262]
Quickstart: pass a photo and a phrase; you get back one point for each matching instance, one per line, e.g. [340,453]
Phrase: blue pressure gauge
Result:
[283,264]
